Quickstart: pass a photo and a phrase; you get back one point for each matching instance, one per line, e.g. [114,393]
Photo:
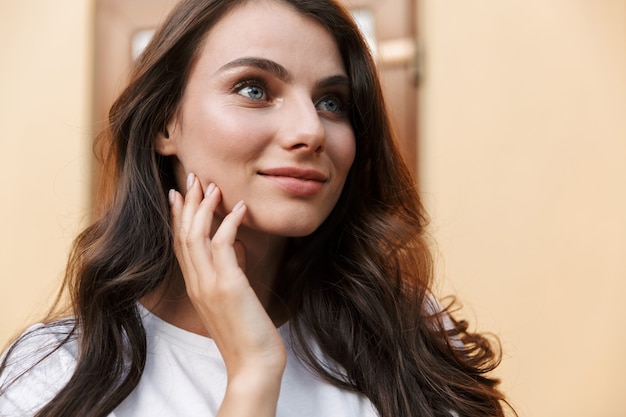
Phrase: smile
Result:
[296,181]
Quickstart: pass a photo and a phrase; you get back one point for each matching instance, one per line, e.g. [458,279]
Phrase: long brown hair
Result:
[358,286]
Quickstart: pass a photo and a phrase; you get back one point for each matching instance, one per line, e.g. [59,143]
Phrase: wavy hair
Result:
[358,286]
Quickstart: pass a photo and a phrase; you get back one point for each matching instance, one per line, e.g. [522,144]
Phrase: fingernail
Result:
[237,206]
[190,180]
[172,196]
[209,190]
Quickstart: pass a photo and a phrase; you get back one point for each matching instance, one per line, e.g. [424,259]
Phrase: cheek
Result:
[343,151]
[221,134]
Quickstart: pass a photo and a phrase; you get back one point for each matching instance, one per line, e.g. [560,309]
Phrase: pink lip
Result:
[294,172]
[297,181]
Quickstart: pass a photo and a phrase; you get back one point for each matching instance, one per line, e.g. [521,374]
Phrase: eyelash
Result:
[249,83]
[342,103]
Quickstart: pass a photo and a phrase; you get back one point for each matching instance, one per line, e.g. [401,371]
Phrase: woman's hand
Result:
[213,268]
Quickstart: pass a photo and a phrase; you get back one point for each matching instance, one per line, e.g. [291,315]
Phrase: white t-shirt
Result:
[184,376]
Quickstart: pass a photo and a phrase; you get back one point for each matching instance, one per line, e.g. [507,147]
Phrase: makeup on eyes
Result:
[259,80]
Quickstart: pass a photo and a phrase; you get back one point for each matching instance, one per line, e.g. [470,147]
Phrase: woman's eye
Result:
[331,104]
[251,91]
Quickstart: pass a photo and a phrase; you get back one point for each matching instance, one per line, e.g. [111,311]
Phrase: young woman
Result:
[261,247]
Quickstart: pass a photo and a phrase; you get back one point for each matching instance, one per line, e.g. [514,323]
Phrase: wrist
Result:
[252,380]
[252,393]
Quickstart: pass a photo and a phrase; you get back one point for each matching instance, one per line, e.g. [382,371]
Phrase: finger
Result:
[225,258]
[198,237]
[176,207]
[183,209]
[202,221]
[193,197]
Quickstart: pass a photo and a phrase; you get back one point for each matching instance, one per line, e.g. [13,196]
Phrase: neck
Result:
[264,254]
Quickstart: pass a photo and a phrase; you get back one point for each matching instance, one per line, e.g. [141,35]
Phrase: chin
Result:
[285,226]
[293,230]
[301,232]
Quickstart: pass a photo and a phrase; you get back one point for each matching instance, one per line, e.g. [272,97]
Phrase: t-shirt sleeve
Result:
[36,370]
[434,306]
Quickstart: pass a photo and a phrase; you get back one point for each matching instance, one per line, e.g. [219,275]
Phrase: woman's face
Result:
[265,117]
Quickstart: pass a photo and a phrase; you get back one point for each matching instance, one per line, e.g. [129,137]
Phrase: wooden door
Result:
[395,48]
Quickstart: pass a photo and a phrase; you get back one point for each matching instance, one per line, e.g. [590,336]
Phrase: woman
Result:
[261,247]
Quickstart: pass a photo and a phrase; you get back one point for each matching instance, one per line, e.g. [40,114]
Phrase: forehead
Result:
[273,30]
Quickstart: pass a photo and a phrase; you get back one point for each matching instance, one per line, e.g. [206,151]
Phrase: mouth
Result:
[295,173]
[296,182]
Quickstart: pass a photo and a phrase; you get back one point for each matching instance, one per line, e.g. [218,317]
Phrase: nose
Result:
[302,129]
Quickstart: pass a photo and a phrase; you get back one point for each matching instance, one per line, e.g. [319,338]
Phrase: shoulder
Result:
[36,366]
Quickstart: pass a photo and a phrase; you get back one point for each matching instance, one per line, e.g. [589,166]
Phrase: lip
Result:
[296,181]
[295,172]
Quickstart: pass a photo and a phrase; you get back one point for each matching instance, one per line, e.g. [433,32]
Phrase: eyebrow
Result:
[333,81]
[281,72]
[267,65]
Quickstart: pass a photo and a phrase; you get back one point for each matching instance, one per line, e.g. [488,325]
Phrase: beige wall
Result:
[44,120]
[523,161]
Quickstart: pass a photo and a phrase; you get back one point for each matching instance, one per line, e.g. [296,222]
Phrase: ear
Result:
[165,142]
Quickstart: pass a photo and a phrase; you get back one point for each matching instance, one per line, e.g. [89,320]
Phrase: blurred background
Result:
[512,113]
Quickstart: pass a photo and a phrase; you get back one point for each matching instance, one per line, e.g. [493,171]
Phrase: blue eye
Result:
[331,104]
[254,92]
